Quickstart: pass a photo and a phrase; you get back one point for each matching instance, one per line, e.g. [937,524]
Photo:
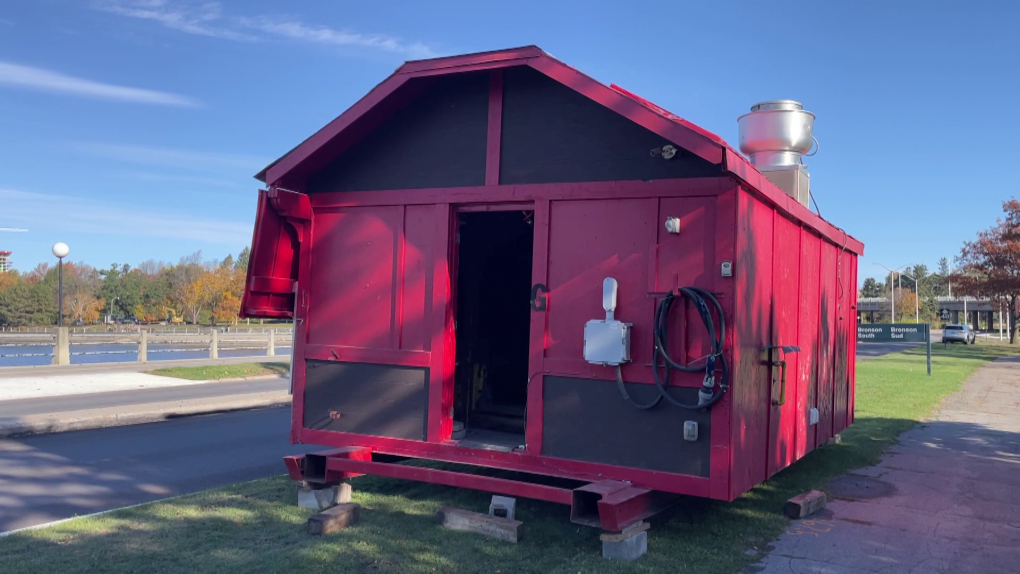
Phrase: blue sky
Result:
[131,128]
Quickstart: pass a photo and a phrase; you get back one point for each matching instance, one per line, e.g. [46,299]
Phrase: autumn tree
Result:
[989,266]
[906,302]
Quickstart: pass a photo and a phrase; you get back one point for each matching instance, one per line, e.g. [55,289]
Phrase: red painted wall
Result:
[804,294]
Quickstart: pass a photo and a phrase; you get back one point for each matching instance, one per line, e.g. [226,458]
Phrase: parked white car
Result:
[958,334]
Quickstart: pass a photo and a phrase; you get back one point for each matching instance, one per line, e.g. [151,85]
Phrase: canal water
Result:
[41,354]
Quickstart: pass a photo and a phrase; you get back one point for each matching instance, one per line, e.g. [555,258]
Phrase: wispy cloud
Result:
[195,180]
[201,18]
[206,18]
[192,160]
[47,80]
[77,214]
[297,30]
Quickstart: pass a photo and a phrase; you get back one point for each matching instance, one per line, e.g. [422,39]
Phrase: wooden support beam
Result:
[805,504]
[334,519]
[492,526]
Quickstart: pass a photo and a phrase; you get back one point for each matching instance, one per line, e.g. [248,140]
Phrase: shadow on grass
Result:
[256,527]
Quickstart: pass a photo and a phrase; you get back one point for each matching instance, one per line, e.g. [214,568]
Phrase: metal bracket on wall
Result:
[774,356]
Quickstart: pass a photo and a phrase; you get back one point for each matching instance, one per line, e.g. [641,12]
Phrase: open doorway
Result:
[494,257]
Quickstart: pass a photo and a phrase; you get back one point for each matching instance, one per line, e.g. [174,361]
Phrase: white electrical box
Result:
[607,341]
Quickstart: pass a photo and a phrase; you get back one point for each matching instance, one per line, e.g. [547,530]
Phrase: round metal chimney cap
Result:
[777,105]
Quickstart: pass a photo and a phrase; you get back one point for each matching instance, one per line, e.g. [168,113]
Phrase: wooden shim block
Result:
[627,533]
[334,519]
[492,526]
[805,504]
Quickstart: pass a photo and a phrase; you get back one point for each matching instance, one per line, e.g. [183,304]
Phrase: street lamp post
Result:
[917,298]
[112,301]
[60,251]
[892,293]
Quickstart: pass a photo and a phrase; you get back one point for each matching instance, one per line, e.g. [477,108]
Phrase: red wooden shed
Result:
[444,243]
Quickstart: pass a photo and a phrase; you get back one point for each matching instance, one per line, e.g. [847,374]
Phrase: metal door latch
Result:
[775,356]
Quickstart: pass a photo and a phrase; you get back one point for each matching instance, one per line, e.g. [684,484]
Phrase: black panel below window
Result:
[588,420]
[369,399]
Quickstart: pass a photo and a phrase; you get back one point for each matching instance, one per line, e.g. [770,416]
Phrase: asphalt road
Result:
[49,477]
[65,403]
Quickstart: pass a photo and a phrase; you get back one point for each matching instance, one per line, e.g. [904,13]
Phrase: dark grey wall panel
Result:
[588,420]
[437,140]
[362,398]
[553,134]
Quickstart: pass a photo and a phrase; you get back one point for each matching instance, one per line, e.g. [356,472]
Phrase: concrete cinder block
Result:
[506,504]
[805,504]
[628,545]
[322,498]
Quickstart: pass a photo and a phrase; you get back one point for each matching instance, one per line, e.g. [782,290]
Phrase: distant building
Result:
[5,261]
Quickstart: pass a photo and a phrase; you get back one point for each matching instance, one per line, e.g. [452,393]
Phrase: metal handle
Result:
[814,139]
[782,383]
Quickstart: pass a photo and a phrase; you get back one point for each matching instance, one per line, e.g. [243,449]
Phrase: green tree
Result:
[242,260]
[871,288]
[944,267]
[16,304]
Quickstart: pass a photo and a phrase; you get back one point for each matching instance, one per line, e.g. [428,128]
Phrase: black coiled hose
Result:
[710,392]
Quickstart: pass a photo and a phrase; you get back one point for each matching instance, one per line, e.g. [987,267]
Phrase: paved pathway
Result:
[55,381]
[133,366]
[946,499]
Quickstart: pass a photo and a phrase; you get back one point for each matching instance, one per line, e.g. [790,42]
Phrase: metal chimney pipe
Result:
[776,135]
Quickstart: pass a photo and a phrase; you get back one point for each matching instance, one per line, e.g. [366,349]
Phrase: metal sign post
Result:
[897,333]
[927,336]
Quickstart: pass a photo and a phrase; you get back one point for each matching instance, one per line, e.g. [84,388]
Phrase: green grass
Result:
[216,372]
[256,527]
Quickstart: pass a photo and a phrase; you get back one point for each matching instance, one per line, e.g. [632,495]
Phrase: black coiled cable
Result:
[700,298]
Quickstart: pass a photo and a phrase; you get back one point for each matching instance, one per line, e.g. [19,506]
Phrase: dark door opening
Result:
[494,258]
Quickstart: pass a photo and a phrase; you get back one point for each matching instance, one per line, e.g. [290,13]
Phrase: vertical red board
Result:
[589,241]
[494,128]
[685,259]
[443,344]
[807,327]
[828,331]
[419,229]
[724,245]
[852,385]
[352,284]
[841,353]
[536,356]
[298,367]
[786,298]
[753,315]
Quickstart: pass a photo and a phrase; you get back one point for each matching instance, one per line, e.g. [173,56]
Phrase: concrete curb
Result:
[136,414]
